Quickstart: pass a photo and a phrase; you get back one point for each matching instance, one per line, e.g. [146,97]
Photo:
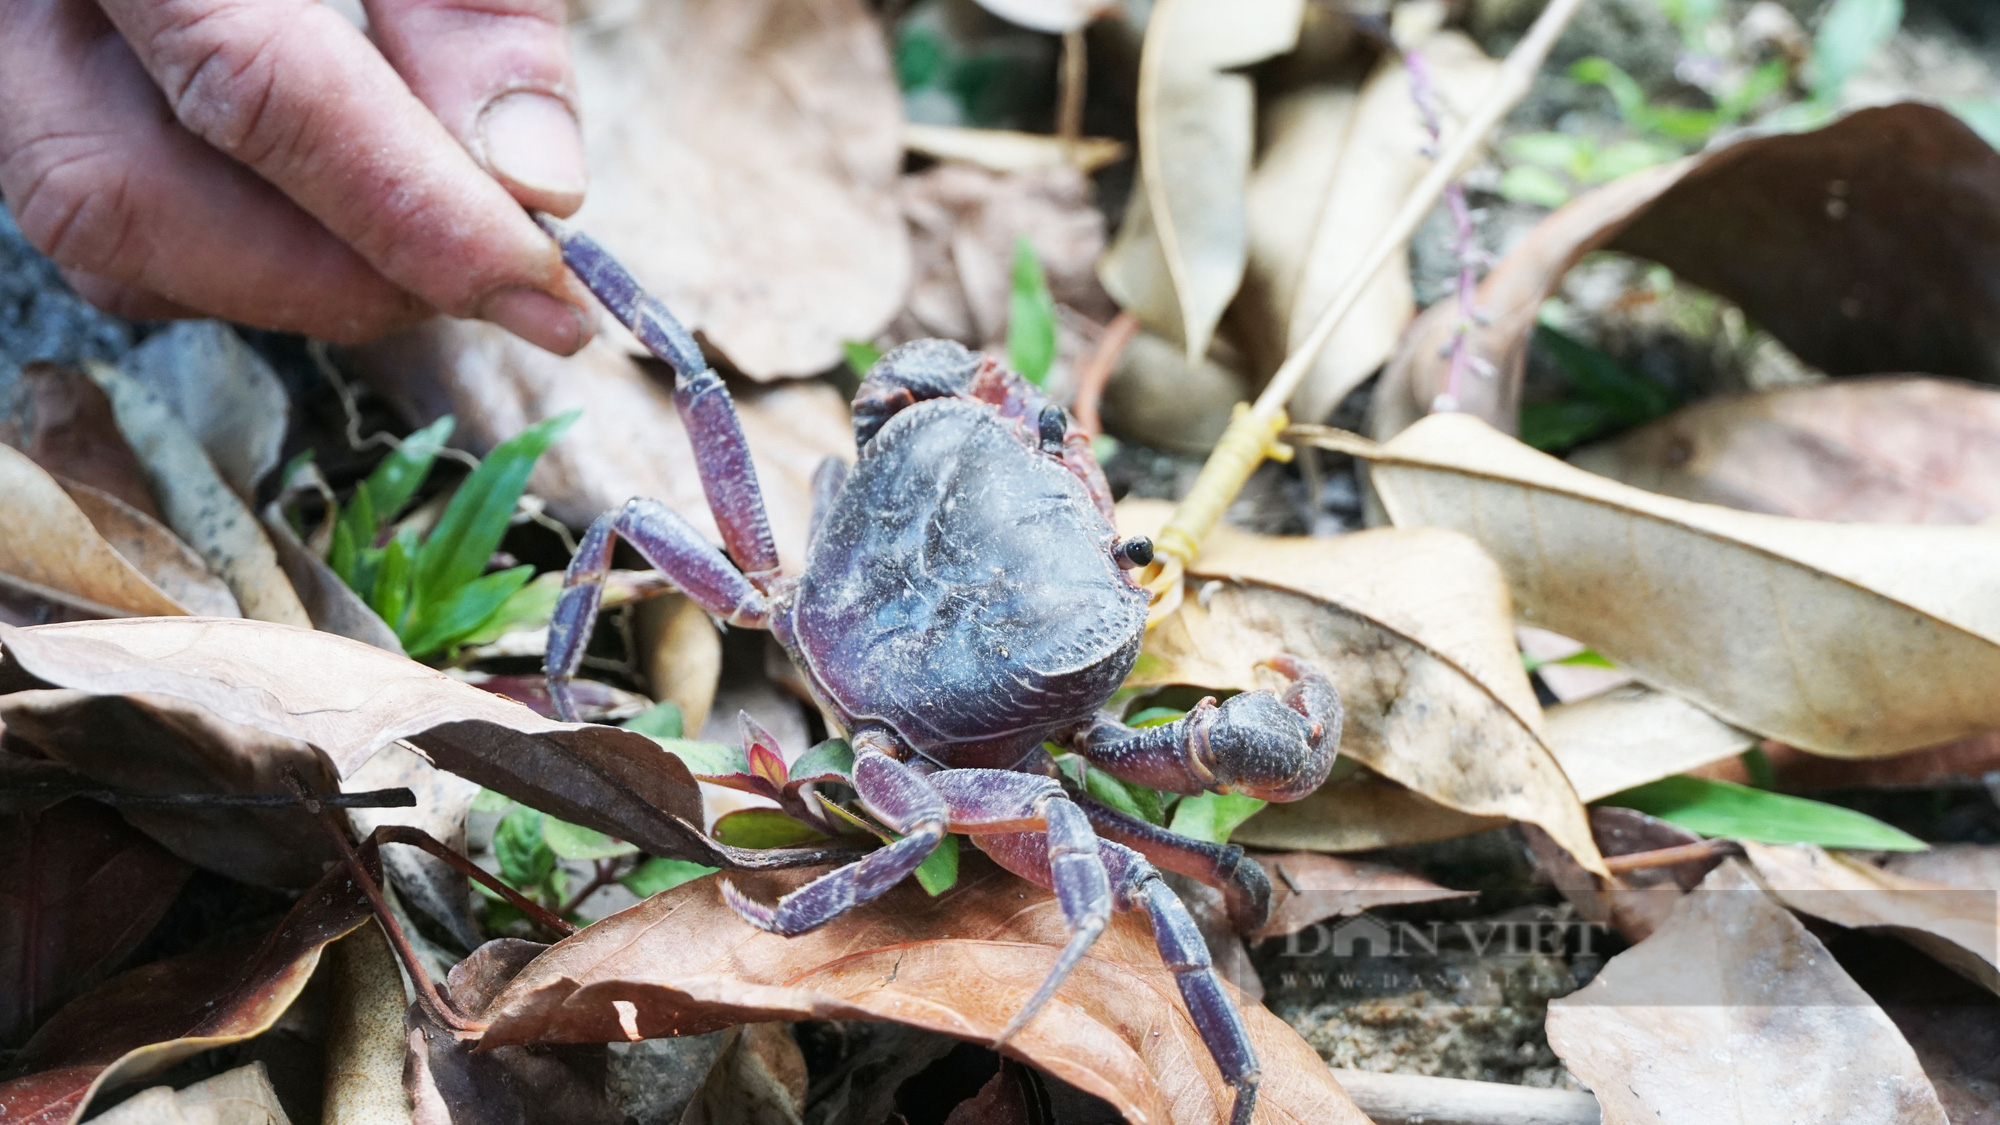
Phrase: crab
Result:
[966,599]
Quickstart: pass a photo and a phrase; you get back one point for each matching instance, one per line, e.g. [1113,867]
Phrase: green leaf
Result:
[1155,717]
[1849,32]
[1213,816]
[1112,792]
[706,759]
[525,858]
[1723,808]
[861,355]
[1588,658]
[574,841]
[389,595]
[1626,157]
[1632,398]
[763,828]
[660,721]
[1031,316]
[464,611]
[1559,152]
[1525,183]
[1757,764]
[341,556]
[939,870]
[476,519]
[1983,114]
[829,760]
[1551,426]
[358,520]
[490,802]
[1623,88]
[660,874]
[402,472]
[1763,83]
[531,605]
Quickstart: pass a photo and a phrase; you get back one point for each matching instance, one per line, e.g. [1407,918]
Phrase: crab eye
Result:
[1054,424]
[1134,552]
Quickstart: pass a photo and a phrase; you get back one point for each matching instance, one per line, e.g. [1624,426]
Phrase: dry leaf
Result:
[243,1096]
[1956,926]
[1356,813]
[222,391]
[1635,903]
[1569,683]
[53,545]
[349,700]
[1610,743]
[1975,866]
[197,503]
[629,441]
[1865,450]
[962,964]
[424,882]
[1180,255]
[63,422]
[1962,763]
[743,158]
[1838,638]
[1004,150]
[364,1033]
[154,551]
[1830,240]
[1307,887]
[1733,1011]
[1415,630]
[1336,166]
[680,650]
[758,1079]
[146,1020]
[1159,399]
[1053,16]
[79,889]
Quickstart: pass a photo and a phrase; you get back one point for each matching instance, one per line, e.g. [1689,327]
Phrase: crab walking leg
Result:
[671,545]
[1244,885]
[904,800]
[986,802]
[1278,748]
[1137,886]
[722,456]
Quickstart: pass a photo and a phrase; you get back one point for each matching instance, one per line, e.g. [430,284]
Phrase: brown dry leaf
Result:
[1356,813]
[629,441]
[62,421]
[1962,763]
[222,391]
[364,1033]
[349,700]
[1336,166]
[1159,399]
[79,889]
[1733,1011]
[1415,630]
[1004,150]
[1843,639]
[1307,887]
[197,502]
[1830,240]
[64,552]
[743,158]
[1956,926]
[1975,866]
[758,1079]
[154,551]
[1179,257]
[681,653]
[243,1096]
[1632,735]
[146,1020]
[961,964]
[1863,450]
[1635,903]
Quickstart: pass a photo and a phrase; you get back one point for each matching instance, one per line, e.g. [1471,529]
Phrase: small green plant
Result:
[1724,808]
[1031,316]
[433,590]
[1608,395]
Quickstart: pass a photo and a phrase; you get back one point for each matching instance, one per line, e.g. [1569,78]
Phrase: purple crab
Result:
[965,600]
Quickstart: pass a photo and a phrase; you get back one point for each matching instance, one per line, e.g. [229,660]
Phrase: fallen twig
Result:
[1405,1099]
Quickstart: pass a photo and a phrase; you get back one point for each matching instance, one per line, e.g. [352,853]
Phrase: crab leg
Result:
[1275,747]
[1242,881]
[1135,886]
[670,544]
[722,456]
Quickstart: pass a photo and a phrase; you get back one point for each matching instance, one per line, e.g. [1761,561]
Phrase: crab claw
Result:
[1278,748]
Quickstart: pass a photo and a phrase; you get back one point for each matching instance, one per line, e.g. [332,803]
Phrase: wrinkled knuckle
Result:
[72,198]
[218,67]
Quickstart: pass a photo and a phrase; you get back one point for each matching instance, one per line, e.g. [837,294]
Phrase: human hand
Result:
[265,162]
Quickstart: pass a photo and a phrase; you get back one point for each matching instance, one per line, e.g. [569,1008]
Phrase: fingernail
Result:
[539,319]
[532,140]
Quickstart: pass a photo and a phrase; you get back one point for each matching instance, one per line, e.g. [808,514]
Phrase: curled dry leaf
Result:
[1336,166]
[63,422]
[146,543]
[65,553]
[146,1020]
[1975,866]
[1003,150]
[1633,735]
[350,700]
[743,160]
[1835,638]
[961,963]
[79,889]
[1307,887]
[1416,632]
[222,391]
[1179,257]
[198,503]
[1830,240]
[1733,1011]
[243,1096]
[1957,926]
[1863,450]
[629,441]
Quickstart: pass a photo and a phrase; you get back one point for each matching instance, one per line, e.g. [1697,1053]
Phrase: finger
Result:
[106,184]
[128,301]
[293,90]
[497,74]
